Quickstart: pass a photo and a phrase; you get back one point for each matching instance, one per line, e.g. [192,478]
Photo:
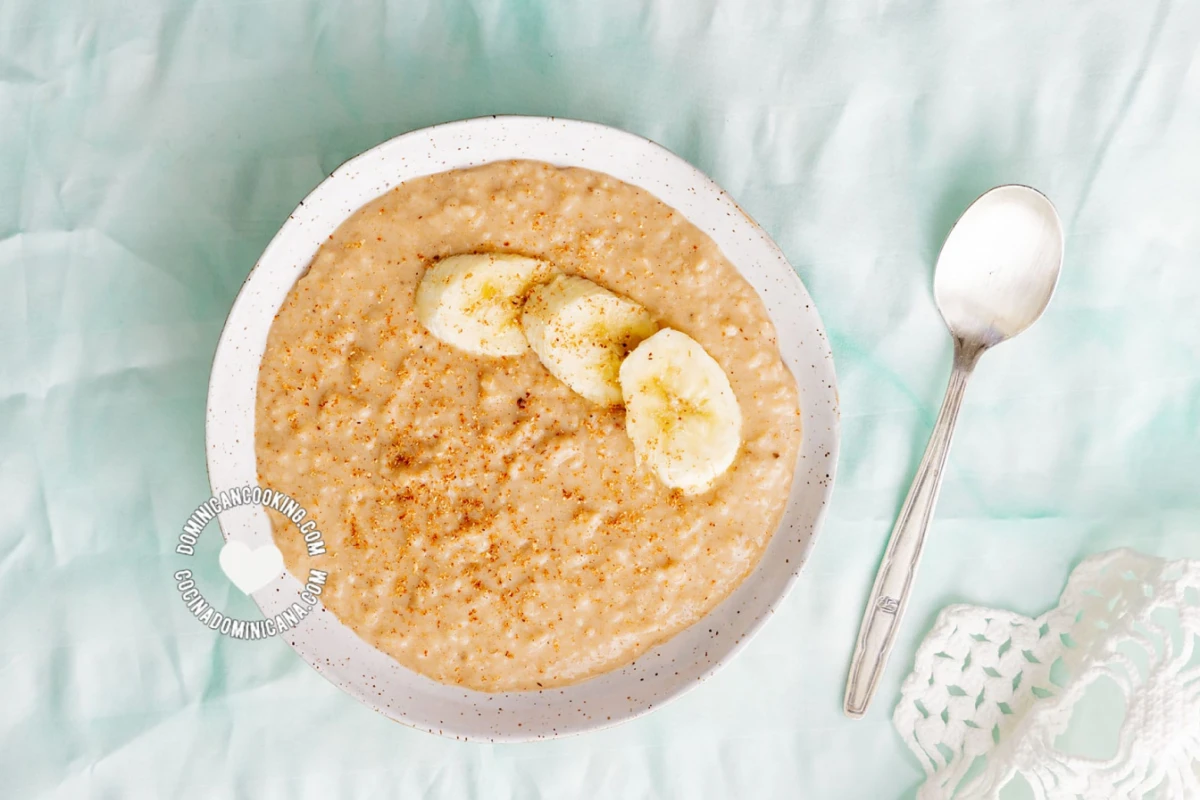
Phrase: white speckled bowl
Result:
[670,669]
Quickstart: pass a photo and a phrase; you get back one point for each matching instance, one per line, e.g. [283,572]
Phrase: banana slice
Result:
[474,301]
[582,331]
[680,412]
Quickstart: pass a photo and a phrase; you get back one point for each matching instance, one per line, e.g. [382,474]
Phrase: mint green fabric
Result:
[148,151]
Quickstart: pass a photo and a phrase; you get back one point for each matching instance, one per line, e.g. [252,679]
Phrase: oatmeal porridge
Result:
[487,526]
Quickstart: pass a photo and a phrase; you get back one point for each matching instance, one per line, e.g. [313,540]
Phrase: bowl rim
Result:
[698,181]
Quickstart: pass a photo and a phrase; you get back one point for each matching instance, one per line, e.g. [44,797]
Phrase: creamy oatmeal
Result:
[486,526]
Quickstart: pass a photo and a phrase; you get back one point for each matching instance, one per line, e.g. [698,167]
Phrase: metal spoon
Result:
[994,277]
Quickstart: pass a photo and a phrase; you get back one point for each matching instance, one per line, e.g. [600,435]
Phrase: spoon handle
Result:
[895,577]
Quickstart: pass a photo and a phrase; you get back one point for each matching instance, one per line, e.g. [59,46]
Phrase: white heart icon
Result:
[251,570]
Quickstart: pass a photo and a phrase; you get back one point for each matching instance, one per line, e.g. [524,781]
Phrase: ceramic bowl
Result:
[660,674]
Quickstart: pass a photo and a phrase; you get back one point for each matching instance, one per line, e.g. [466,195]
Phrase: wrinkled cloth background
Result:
[149,151]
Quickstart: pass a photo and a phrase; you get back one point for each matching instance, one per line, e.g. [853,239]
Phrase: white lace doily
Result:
[992,692]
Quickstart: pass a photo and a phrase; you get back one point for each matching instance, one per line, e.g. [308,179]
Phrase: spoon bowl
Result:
[999,265]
